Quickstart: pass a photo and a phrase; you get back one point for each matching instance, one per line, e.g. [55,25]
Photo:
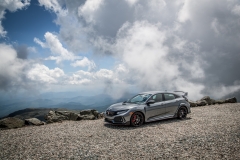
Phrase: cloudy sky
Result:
[114,46]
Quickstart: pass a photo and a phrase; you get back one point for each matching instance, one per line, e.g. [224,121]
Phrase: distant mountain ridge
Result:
[75,102]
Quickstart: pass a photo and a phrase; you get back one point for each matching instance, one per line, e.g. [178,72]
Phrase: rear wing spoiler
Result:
[184,93]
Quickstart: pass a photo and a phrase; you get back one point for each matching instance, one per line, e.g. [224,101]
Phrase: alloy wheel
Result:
[182,113]
[137,119]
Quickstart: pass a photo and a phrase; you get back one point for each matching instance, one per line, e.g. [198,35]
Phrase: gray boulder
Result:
[100,115]
[71,116]
[89,114]
[231,100]
[58,116]
[33,121]
[201,103]
[95,113]
[11,122]
[87,117]
[220,101]
[213,101]
[207,99]
[192,103]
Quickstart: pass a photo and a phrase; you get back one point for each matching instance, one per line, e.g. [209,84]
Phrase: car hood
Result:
[121,106]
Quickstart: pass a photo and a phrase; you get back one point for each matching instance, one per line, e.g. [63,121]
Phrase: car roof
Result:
[155,92]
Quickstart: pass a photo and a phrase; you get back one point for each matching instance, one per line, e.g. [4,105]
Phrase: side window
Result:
[157,97]
[168,96]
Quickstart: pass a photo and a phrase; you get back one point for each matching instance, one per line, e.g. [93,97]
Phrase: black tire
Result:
[182,113]
[137,119]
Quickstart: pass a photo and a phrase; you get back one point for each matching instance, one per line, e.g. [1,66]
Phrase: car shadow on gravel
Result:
[149,124]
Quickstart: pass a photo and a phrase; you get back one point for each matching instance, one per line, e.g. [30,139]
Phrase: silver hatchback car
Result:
[148,107]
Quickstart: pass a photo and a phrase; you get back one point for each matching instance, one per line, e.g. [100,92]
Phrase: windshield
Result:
[140,98]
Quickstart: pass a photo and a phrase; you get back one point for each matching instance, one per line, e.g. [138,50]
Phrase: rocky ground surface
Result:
[209,132]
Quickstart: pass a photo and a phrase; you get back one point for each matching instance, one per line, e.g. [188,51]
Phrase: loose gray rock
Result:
[192,103]
[88,117]
[213,101]
[231,100]
[89,114]
[207,99]
[71,116]
[59,116]
[33,121]
[100,115]
[55,116]
[11,122]
[95,113]
[201,103]
[86,112]
[221,101]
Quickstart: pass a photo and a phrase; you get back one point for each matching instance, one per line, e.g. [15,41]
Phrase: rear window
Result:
[177,96]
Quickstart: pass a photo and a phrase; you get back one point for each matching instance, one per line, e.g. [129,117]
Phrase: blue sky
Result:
[113,47]
[23,25]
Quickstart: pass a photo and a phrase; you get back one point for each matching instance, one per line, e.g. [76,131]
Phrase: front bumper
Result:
[123,119]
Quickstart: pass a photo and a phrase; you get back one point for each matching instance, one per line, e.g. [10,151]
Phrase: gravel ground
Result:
[209,132]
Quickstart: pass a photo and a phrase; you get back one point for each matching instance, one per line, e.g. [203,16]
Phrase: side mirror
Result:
[124,102]
[150,102]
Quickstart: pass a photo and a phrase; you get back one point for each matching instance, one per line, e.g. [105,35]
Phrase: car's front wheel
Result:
[137,119]
[182,113]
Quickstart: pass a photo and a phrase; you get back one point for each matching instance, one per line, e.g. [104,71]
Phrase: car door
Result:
[171,103]
[156,109]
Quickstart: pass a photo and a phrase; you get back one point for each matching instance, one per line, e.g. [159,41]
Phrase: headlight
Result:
[121,112]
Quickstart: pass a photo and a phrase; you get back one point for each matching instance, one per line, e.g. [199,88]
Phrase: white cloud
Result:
[2,31]
[89,9]
[43,74]
[131,2]
[32,49]
[80,77]
[217,27]
[184,13]
[18,74]
[222,90]
[11,66]
[54,6]
[13,70]
[236,10]
[11,5]
[103,77]
[85,62]
[104,74]
[42,44]
[149,60]
[56,48]
[214,26]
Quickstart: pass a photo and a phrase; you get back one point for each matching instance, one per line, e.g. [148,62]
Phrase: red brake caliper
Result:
[134,118]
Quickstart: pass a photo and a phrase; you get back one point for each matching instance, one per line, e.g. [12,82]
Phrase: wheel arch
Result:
[181,106]
[141,113]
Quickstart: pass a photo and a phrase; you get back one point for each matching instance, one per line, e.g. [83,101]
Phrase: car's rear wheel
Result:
[182,113]
[137,119]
